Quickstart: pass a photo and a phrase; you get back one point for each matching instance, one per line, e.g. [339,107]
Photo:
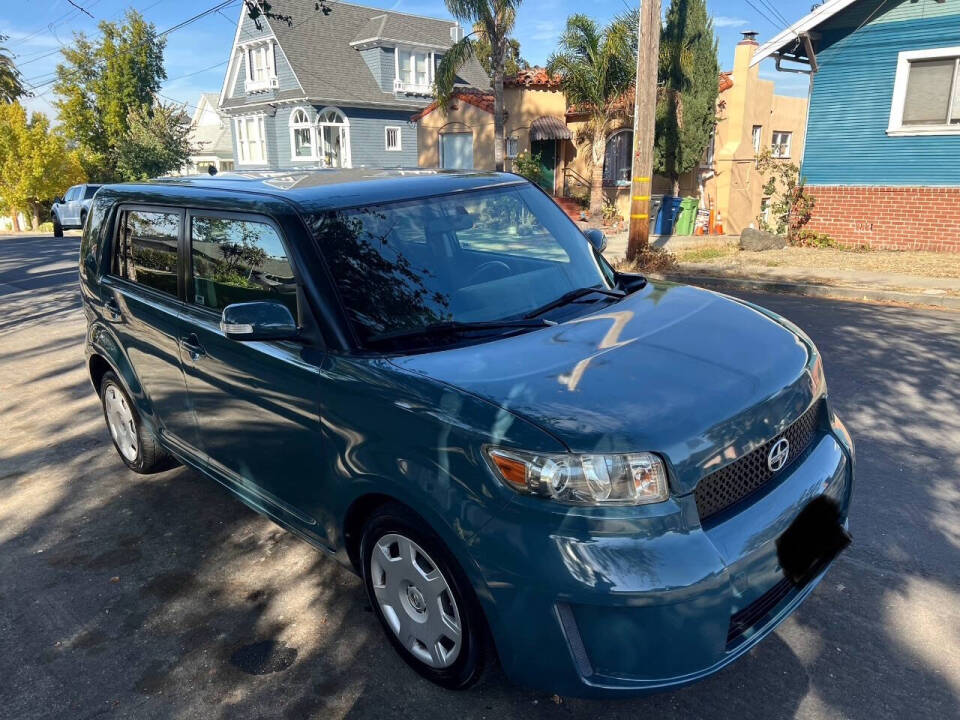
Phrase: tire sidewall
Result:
[110,379]
[469,663]
[57,227]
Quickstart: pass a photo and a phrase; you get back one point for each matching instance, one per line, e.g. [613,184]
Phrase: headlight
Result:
[633,479]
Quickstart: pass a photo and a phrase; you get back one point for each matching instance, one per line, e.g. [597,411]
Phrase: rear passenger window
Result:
[239,261]
[147,249]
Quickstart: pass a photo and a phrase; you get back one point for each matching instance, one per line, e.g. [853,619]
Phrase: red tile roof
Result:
[535,78]
[478,98]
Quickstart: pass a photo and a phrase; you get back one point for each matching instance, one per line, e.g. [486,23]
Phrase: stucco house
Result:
[333,88]
[882,155]
[751,118]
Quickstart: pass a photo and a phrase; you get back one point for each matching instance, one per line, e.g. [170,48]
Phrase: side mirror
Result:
[258,321]
[596,238]
[58,200]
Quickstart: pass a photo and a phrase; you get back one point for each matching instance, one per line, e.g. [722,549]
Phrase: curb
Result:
[822,291]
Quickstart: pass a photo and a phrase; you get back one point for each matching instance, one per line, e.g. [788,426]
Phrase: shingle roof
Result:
[330,69]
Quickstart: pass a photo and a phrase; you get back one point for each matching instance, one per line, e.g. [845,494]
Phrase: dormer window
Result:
[414,71]
[261,66]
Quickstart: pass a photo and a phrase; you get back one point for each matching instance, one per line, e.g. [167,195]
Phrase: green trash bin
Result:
[687,218]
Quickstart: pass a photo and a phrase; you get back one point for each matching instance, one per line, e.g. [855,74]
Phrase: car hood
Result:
[695,376]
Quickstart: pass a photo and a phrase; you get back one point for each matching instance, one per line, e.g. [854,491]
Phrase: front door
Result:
[547,150]
[141,305]
[256,403]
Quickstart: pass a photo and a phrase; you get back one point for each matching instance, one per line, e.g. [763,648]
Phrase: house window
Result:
[780,148]
[513,145]
[926,93]
[392,138]
[251,140]
[616,160]
[302,136]
[414,70]
[757,138]
[261,67]
[333,138]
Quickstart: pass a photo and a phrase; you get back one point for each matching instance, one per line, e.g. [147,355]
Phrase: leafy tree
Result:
[156,142]
[687,94]
[494,20]
[513,62]
[100,81]
[597,67]
[35,164]
[11,84]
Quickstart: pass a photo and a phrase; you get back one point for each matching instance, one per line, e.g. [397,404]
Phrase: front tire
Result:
[422,598]
[57,227]
[137,445]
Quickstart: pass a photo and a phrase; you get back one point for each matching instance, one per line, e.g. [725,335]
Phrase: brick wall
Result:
[891,218]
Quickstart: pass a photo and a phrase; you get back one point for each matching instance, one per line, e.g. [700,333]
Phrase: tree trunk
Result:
[499,126]
[676,186]
[35,217]
[596,174]
[14,217]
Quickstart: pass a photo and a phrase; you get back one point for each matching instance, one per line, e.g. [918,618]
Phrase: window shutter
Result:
[928,92]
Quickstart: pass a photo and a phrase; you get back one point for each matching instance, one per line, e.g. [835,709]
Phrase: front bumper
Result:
[594,605]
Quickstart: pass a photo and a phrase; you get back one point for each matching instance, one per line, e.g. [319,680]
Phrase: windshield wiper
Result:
[569,297]
[455,326]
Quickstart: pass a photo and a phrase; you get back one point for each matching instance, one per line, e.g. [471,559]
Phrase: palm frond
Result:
[453,60]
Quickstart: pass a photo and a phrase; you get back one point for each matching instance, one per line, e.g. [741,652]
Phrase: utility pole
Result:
[644,126]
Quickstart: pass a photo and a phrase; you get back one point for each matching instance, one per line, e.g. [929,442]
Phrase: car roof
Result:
[318,190]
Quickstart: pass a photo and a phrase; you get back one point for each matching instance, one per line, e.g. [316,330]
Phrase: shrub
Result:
[528,166]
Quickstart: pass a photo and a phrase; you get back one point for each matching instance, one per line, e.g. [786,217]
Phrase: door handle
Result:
[192,346]
[113,310]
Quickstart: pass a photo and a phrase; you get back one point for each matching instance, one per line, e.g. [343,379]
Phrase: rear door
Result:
[69,207]
[142,305]
[256,402]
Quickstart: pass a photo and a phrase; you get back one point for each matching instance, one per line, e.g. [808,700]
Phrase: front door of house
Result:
[547,150]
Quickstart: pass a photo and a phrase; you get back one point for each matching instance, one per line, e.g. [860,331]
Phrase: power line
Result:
[762,14]
[774,11]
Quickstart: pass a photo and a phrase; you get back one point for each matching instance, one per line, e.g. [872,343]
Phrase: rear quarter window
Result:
[146,251]
[92,234]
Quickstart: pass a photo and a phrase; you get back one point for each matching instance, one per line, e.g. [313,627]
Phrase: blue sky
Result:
[196,56]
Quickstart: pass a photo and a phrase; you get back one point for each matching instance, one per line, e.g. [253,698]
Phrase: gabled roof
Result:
[482,99]
[330,69]
[789,39]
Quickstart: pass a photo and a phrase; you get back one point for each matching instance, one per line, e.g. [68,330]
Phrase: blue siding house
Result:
[882,153]
[334,88]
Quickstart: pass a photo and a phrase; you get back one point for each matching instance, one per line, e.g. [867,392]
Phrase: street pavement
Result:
[163,597]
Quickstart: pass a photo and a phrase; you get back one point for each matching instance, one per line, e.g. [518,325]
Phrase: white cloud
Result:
[545,30]
[722,21]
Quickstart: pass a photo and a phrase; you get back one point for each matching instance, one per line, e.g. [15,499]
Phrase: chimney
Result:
[749,37]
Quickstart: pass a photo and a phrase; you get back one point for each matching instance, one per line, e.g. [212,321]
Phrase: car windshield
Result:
[471,257]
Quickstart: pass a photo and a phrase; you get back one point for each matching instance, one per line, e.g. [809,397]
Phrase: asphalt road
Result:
[163,597]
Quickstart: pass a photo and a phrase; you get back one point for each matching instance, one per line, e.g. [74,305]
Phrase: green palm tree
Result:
[11,86]
[493,21]
[596,67]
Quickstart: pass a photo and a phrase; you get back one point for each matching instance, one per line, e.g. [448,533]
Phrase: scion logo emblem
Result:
[777,457]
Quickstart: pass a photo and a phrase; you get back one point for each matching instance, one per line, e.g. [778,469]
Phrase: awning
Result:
[549,127]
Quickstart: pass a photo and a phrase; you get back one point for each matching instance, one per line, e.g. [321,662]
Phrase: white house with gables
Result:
[334,89]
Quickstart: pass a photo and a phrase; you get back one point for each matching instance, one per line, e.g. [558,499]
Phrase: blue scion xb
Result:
[610,485]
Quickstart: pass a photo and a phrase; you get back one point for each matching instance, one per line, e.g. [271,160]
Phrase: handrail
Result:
[577,177]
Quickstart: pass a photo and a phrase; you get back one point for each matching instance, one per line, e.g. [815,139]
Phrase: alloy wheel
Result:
[123,427]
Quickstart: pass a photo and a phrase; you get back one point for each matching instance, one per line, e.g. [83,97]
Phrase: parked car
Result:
[438,380]
[71,210]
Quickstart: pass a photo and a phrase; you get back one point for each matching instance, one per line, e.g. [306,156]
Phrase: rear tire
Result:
[136,445]
[57,227]
[415,586]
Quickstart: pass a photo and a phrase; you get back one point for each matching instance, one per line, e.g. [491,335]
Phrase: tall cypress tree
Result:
[687,94]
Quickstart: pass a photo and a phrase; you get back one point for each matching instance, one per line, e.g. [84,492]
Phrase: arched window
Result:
[616,159]
[302,138]
[333,134]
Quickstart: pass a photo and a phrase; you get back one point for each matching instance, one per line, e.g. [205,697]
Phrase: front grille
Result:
[731,484]
[743,620]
